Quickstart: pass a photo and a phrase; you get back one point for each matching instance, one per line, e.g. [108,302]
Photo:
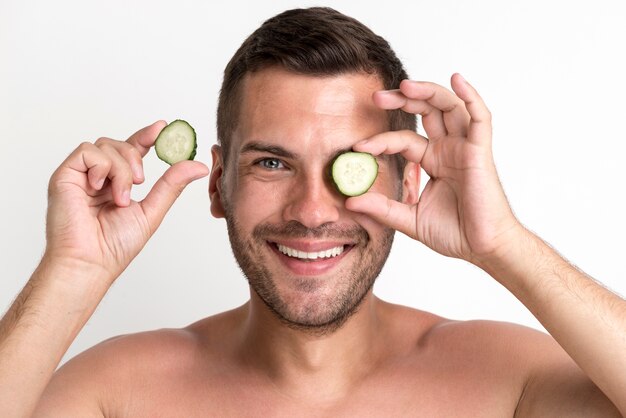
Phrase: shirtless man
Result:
[313,340]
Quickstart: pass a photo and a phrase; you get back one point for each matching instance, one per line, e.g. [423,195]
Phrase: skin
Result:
[384,358]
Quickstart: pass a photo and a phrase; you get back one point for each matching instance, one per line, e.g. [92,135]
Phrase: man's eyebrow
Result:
[258,146]
[382,157]
[338,152]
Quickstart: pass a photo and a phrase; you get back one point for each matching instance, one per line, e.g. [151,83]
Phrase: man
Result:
[313,340]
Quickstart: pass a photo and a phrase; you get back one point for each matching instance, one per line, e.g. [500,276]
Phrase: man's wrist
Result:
[73,274]
[518,256]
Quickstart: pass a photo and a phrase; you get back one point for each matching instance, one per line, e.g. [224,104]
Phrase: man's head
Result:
[297,93]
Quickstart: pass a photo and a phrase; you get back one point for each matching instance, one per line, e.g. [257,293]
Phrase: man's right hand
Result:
[92,221]
[94,230]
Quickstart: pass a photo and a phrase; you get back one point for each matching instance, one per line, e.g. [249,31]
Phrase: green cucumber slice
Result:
[176,142]
[354,172]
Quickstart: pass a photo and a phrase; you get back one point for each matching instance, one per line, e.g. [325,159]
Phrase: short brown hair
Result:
[318,41]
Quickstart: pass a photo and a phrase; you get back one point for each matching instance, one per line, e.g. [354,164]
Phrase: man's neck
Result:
[323,365]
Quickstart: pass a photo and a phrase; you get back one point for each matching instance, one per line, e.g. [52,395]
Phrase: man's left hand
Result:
[462,212]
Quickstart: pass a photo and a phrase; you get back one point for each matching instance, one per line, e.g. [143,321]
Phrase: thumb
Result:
[388,212]
[167,189]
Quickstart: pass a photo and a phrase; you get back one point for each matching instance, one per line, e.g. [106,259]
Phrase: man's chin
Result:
[308,305]
[311,322]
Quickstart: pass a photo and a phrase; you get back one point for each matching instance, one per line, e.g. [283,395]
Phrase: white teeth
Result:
[332,252]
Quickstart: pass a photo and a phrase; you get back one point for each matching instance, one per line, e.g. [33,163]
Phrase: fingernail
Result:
[200,176]
[126,197]
[138,172]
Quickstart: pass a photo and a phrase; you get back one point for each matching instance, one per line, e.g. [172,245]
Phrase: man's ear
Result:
[215,182]
[411,183]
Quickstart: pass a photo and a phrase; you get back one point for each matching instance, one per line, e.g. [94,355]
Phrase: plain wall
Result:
[552,74]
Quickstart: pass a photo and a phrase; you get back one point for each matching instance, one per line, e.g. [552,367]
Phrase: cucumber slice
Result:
[176,142]
[354,172]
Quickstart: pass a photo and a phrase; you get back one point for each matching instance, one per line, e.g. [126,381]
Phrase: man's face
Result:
[307,257]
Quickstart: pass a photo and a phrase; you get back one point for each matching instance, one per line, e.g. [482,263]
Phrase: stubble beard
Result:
[323,318]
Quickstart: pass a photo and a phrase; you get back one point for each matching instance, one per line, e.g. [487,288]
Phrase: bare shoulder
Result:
[523,364]
[489,344]
[517,342]
[114,374]
[98,380]
[495,349]
[553,384]
[444,333]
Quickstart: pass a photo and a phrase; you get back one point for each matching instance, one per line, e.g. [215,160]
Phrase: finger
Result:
[386,211]
[432,118]
[455,116]
[144,138]
[479,131]
[167,189]
[120,174]
[86,159]
[411,145]
[130,153]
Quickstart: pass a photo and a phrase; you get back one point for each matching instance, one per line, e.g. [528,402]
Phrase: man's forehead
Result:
[277,102]
[342,93]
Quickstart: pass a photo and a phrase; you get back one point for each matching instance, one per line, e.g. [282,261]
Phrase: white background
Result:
[551,72]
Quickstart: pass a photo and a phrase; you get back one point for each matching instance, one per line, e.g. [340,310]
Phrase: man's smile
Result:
[304,255]
[310,258]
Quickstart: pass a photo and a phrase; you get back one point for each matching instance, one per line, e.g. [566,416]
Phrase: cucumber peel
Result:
[354,172]
[176,142]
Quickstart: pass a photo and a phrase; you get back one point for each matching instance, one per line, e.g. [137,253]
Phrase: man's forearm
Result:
[38,329]
[585,318]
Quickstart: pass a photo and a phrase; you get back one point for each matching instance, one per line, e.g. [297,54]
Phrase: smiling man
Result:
[313,340]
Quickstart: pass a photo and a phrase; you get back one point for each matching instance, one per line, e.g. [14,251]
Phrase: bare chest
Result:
[398,394]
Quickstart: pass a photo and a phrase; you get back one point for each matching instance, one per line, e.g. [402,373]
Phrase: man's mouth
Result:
[311,255]
[310,258]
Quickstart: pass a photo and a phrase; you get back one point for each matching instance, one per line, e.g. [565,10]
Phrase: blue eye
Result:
[271,163]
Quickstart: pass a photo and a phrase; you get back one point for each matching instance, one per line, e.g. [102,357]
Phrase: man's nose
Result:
[314,202]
